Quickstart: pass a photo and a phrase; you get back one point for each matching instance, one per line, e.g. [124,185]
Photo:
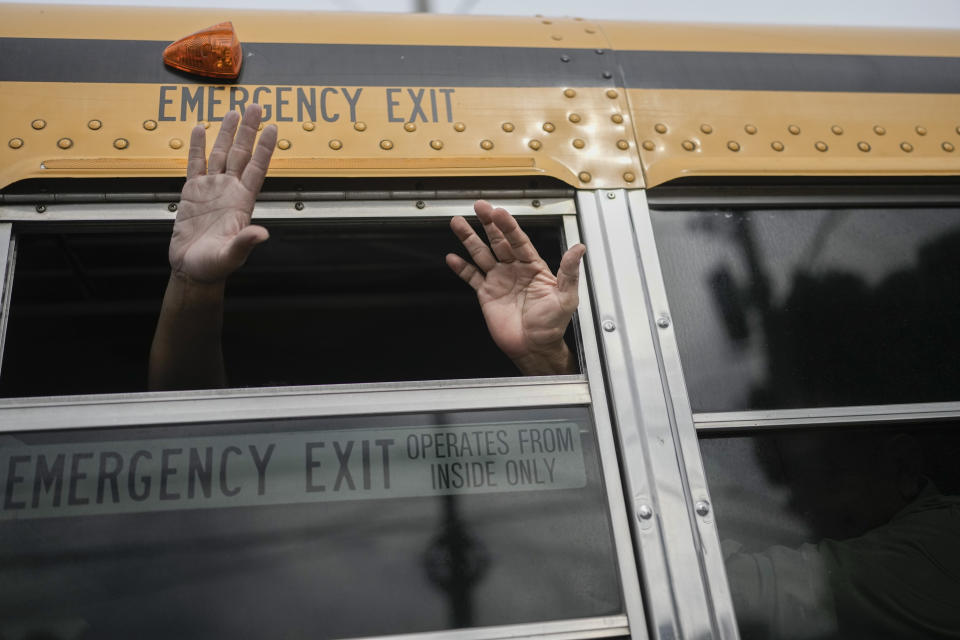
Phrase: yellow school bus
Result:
[760,438]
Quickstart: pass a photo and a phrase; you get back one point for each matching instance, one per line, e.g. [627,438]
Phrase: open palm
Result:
[526,308]
[212,235]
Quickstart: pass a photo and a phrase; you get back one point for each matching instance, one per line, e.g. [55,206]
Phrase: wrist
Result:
[556,359]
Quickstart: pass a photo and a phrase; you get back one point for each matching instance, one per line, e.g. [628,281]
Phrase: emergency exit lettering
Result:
[192,103]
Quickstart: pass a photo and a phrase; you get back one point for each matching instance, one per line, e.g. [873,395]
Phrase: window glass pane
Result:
[792,308]
[840,533]
[327,302]
[306,528]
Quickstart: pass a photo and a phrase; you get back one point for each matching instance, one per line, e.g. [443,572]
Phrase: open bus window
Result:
[306,528]
[319,303]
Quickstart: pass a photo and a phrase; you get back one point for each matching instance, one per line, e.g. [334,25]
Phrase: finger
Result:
[520,244]
[197,158]
[498,243]
[239,154]
[256,169]
[568,275]
[218,156]
[477,248]
[467,272]
[242,244]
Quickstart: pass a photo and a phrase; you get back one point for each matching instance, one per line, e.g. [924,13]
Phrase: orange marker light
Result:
[214,52]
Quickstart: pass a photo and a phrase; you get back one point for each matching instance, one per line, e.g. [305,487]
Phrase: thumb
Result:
[236,253]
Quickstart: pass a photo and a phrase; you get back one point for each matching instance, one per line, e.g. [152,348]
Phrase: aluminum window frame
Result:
[585,389]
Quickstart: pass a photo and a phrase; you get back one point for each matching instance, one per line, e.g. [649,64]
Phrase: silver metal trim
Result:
[819,196]
[603,627]
[664,543]
[115,410]
[312,210]
[711,556]
[619,522]
[8,260]
[921,412]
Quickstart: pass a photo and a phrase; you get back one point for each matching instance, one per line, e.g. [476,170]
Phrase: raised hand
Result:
[526,308]
[212,235]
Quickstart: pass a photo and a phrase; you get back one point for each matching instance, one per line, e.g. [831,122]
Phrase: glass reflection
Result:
[841,533]
[792,308]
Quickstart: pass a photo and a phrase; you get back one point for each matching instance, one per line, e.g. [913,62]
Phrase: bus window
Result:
[320,302]
[842,532]
[307,527]
[786,308]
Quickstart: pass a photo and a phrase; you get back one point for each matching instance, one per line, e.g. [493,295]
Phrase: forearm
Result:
[555,360]
[186,352]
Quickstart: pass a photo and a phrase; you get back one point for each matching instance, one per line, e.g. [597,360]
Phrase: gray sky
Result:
[912,13]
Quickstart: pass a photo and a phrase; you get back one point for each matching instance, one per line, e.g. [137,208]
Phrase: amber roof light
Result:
[214,52]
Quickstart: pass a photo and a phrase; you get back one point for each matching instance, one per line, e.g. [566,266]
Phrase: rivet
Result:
[660,128]
[612,93]
[629,177]
[649,145]
[41,208]
[607,75]
[794,129]
[644,512]
[557,36]
[172,207]
[863,146]
[564,58]
[609,326]
[486,145]
[733,145]
[386,145]
[948,147]
[574,117]
[584,176]
[121,143]
[335,144]
[958,130]
[206,125]
[459,126]
[611,195]
[663,322]
[309,126]
[421,204]
[921,131]
[94,124]
[283,144]
[535,204]
[616,118]
[409,126]
[820,146]
[750,129]
[589,30]
[149,125]
[175,143]
[360,126]
[707,129]
[877,129]
[837,130]
[702,507]
[15,143]
[578,143]
[534,144]
[906,146]
[547,21]
[64,143]
[623,145]
[776,145]
[548,127]
[436,144]
[298,205]
[688,145]
[38,124]
[507,126]
[569,93]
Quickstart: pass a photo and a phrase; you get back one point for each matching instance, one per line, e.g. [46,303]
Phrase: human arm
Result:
[527,309]
[212,237]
